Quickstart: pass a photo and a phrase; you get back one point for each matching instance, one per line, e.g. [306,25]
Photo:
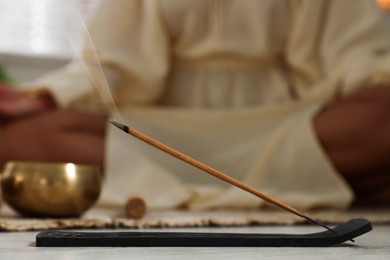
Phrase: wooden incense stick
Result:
[214,172]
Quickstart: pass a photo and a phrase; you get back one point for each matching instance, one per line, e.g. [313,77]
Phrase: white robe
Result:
[232,83]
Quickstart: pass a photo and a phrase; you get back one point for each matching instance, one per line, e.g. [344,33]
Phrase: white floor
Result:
[373,245]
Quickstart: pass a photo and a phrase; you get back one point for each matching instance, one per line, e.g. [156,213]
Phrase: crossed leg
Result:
[355,133]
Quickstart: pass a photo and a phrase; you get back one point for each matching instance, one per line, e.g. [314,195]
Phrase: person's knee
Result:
[363,113]
[374,93]
[379,122]
[372,116]
[355,130]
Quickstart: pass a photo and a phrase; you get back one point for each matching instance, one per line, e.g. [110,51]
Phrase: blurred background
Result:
[40,35]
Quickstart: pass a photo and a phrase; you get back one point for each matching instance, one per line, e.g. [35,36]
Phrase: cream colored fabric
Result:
[231,83]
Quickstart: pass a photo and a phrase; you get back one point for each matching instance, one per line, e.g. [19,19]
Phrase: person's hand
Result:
[54,136]
[14,103]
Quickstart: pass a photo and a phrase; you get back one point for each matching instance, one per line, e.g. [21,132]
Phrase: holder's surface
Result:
[344,232]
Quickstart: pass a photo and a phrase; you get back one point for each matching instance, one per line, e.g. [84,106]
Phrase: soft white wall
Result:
[38,36]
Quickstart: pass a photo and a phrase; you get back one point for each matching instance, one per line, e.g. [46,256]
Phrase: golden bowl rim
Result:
[49,164]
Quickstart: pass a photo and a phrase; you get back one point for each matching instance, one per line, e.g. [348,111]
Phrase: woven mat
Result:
[99,218]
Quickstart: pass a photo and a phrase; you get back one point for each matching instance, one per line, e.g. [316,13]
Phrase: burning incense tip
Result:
[119,125]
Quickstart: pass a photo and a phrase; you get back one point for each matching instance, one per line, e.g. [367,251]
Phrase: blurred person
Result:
[291,97]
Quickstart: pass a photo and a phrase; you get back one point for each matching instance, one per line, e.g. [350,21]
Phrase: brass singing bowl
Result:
[50,189]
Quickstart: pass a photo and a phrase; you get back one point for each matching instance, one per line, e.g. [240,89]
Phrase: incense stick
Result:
[216,173]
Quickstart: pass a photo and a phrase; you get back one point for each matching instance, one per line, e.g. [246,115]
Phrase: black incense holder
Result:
[343,233]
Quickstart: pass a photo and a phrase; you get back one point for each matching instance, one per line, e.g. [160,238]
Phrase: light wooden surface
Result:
[373,245]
